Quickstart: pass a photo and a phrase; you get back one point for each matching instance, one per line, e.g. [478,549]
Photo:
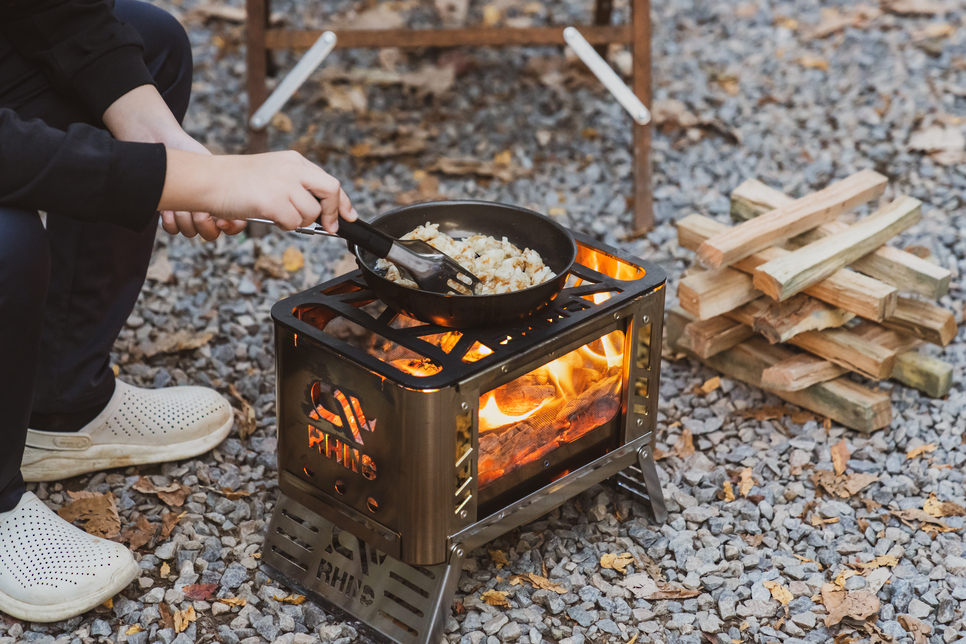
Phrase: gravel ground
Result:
[760,98]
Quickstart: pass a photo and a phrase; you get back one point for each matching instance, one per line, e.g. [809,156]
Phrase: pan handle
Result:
[364,235]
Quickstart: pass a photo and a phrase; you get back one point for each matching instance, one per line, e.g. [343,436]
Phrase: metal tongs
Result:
[431,269]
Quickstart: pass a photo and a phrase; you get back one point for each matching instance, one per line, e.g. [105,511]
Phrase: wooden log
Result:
[800,371]
[782,321]
[839,346]
[712,293]
[862,295]
[784,277]
[784,223]
[925,320]
[905,271]
[710,337]
[929,375]
[842,400]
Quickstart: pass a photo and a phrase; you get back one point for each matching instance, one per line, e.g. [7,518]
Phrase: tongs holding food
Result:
[431,269]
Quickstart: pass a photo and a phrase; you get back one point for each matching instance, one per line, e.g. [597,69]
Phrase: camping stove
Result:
[403,445]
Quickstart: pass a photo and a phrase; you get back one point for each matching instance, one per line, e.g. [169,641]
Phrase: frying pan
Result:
[523,228]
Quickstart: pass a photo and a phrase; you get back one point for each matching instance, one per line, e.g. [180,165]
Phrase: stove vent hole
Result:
[308,471]
[340,487]
[372,504]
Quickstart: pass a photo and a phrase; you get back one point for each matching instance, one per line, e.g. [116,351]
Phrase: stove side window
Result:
[529,417]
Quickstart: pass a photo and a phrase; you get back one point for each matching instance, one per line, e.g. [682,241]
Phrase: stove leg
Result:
[645,460]
[395,601]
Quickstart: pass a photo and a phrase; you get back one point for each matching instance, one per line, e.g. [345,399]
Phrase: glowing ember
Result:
[421,367]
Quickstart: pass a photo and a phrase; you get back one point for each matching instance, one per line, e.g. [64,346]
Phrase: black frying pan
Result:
[523,228]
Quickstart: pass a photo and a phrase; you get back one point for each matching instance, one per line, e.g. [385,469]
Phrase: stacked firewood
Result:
[795,301]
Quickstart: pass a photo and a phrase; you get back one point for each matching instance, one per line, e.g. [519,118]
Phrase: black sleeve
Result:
[80,44]
[82,173]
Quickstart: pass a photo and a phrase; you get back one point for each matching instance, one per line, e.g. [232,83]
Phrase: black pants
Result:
[65,292]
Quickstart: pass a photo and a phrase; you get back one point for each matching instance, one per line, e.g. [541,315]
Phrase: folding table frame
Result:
[262,38]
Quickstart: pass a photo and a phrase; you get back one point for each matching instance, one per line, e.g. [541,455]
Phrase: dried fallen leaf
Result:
[495,598]
[498,558]
[840,456]
[183,340]
[139,535]
[183,618]
[133,630]
[842,486]
[683,448]
[491,15]
[165,569]
[290,599]
[927,522]
[944,143]
[710,385]
[919,451]
[878,562]
[292,259]
[918,7]
[642,586]
[938,508]
[245,417]
[160,269]
[177,497]
[839,603]
[271,266]
[843,576]
[779,592]
[538,582]
[919,630]
[729,493]
[167,621]
[504,158]
[168,522]
[97,513]
[746,481]
[618,562]
[282,122]
[145,486]
[233,601]
[813,62]
[463,166]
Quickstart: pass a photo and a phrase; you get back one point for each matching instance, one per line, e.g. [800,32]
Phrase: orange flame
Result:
[492,417]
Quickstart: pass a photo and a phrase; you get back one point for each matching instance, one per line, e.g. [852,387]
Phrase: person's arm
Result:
[86,174]
[81,46]
[82,173]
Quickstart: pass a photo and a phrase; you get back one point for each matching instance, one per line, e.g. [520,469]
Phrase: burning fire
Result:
[551,406]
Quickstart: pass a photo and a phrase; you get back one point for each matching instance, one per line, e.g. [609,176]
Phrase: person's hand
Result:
[142,115]
[283,187]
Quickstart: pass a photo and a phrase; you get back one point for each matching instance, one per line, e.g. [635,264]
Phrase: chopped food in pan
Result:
[500,266]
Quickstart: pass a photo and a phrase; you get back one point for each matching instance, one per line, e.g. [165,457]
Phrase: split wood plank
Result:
[839,346]
[711,293]
[905,271]
[862,295]
[842,400]
[794,219]
[800,371]
[929,375]
[784,277]
[925,320]
[782,321]
[710,337]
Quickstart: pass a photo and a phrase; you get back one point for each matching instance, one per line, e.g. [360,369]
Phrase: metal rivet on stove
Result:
[617,316]
[503,368]
[645,319]
[546,463]
[459,552]
[643,453]
[464,406]
[462,514]
[640,421]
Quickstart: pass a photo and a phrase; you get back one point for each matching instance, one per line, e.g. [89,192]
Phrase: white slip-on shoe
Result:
[50,570]
[138,426]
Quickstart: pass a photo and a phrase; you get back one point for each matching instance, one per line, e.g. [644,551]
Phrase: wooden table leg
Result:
[643,201]
[603,9]
[256,62]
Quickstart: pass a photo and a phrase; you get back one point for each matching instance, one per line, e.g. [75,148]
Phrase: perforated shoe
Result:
[50,570]
[138,426]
